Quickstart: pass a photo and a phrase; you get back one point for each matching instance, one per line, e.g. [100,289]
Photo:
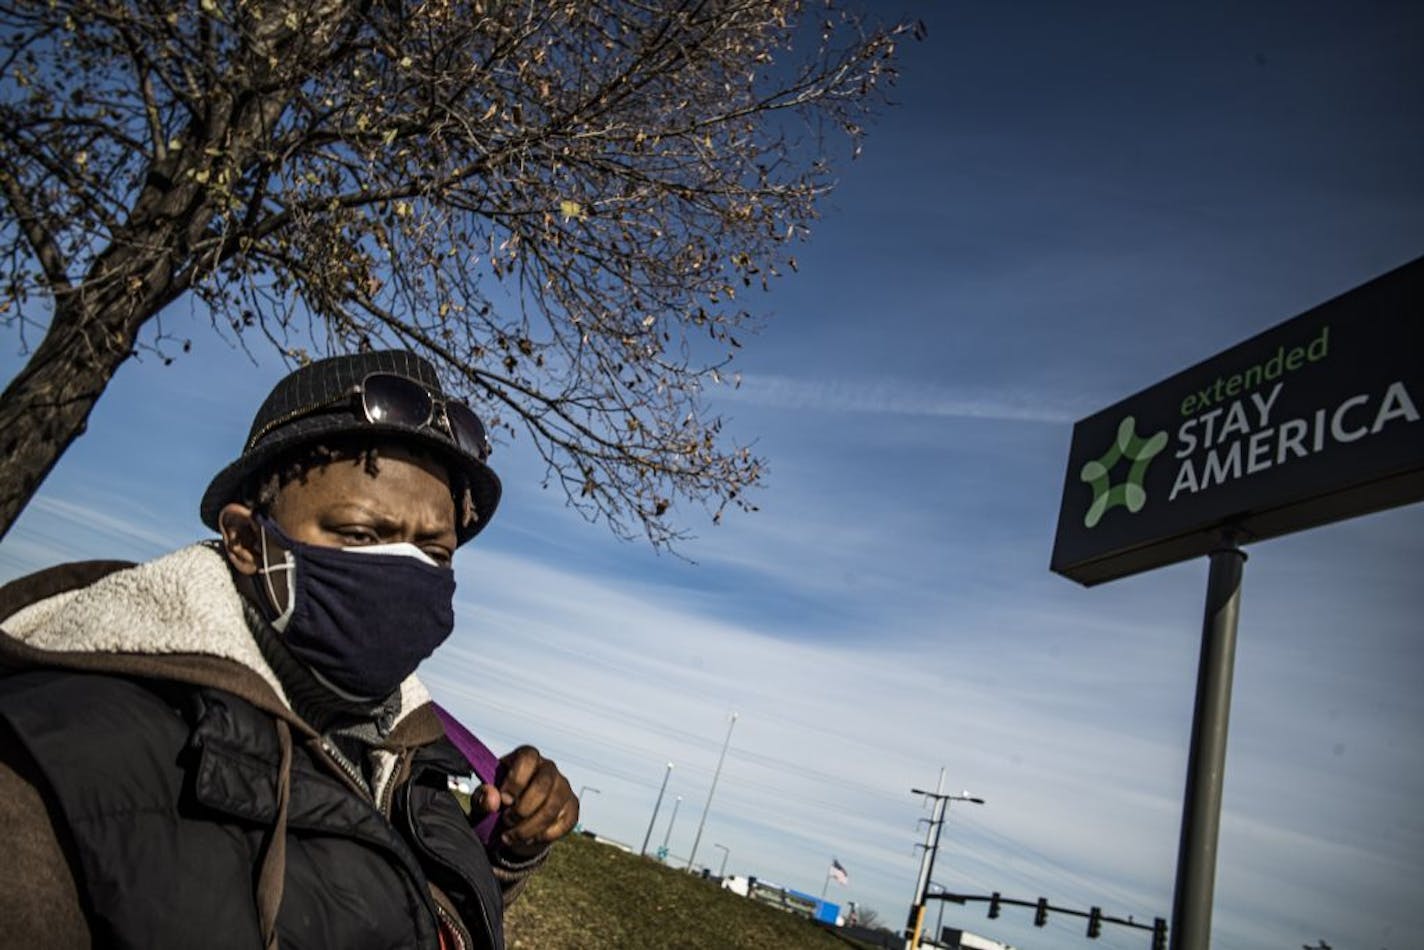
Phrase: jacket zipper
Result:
[456,925]
[389,792]
[461,935]
[457,928]
[348,771]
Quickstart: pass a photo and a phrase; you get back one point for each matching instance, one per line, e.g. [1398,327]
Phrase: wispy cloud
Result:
[53,530]
[898,397]
[1082,767]
[1067,709]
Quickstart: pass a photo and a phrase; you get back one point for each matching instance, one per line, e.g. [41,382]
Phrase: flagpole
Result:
[834,871]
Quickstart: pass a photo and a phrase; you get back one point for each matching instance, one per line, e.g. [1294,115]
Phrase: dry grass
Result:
[591,895]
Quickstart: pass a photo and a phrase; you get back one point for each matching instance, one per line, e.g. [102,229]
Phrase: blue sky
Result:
[1062,209]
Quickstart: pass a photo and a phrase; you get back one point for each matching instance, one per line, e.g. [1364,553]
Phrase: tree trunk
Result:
[147,265]
[47,404]
[96,323]
[92,331]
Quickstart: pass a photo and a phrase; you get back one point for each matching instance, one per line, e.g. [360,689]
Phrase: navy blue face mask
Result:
[361,618]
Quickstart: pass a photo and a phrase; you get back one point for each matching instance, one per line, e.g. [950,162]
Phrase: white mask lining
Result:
[289,567]
[402,548]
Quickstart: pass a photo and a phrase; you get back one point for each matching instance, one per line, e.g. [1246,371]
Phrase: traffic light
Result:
[1095,921]
[1040,916]
[1159,934]
[994,905]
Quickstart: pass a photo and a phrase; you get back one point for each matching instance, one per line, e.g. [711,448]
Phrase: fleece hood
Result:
[179,617]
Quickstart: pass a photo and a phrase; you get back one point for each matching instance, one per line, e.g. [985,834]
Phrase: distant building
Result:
[736,884]
[952,939]
[784,898]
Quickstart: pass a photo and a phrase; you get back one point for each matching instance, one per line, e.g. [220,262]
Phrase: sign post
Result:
[1314,420]
[1206,763]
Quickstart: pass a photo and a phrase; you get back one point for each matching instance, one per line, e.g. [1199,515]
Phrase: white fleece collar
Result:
[182,603]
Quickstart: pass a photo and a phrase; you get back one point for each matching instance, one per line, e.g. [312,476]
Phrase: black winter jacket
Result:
[195,809]
[171,798]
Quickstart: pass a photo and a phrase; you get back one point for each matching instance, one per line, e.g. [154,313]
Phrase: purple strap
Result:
[483,762]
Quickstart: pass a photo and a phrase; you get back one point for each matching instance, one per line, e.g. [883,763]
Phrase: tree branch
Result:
[40,238]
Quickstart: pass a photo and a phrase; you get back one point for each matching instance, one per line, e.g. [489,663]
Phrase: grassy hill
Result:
[591,895]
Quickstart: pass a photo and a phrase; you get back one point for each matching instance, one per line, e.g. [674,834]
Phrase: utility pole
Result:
[922,886]
[922,883]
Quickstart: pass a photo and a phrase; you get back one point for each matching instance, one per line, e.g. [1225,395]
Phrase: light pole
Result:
[715,775]
[917,909]
[653,820]
[939,919]
[586,788]
[726,853]
[676,804]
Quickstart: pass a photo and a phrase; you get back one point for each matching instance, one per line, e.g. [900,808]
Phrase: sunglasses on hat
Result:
[388,399]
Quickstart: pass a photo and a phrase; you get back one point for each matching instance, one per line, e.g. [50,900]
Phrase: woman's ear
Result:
[241,538]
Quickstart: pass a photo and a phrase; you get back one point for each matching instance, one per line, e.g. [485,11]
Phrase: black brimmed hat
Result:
[323,401]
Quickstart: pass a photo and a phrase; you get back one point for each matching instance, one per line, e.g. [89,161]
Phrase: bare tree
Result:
[559,202]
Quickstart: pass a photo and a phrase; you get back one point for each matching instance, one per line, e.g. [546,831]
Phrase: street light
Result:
[653,820]
[677,803]
[715,775]
[585,788]
[917,909]
[939,920]
[726,853]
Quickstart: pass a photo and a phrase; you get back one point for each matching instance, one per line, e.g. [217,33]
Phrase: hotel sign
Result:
[1314,420]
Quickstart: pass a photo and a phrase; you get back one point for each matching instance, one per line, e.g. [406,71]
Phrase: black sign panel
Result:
[1314,420]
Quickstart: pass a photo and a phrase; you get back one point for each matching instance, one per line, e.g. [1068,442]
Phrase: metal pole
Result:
[677,803]
[917,906]
[941,803]
[1201,807]
[585,788]
[726,853]
[659,804]
[715,775]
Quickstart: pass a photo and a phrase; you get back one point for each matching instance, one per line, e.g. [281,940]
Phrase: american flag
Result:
[838,872]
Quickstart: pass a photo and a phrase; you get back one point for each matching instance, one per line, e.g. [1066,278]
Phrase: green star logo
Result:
[1130,493]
